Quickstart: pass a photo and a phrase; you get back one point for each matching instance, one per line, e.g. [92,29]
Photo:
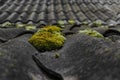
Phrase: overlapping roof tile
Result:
[51,11]
[84,55]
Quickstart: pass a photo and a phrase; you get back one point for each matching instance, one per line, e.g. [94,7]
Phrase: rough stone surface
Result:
[81,58]
[16,60]
[84,58]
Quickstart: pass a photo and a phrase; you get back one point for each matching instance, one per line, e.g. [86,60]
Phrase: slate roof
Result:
[82,57]
[50,11]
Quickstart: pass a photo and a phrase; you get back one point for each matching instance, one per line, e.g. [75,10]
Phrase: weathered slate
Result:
[10,33]
[16,60]
[83,58]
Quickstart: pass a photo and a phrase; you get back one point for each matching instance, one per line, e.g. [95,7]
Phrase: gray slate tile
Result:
[42,10]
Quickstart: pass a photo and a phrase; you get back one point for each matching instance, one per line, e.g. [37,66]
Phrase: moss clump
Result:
[26,26]
[30,27]
[20,25]
[8,24]
[96,24]
[61,23]
[71,22]
[85,23]
[51,29]
[57,55]
[47,38]
[91,32]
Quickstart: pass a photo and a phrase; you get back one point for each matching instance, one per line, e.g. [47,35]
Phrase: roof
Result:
[82,57]
[51,11]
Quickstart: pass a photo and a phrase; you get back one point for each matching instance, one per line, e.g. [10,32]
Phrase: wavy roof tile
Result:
[50,11]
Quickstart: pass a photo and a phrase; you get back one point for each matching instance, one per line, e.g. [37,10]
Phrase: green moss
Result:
[71,21]
[91,32]
[8,24]
[85,23]
[30,27]
[26,26]
[61,23]
[57,55]
[96,24]
[51,29]
[20,25]
[47,38]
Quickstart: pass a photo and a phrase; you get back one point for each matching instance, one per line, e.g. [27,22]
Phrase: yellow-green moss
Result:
[61,23]
[30,27]
[50,29]
[48,38]
[91,32]
[96,24]
[57,55]
[71,21]
[26,26]
[20,25]
[8,24]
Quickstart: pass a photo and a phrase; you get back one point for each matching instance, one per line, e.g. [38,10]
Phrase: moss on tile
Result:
[96,24]
[20,25]
[48,38]
[71,22]
[8,24]
[91,32]
[57,55]
[61,23]
[30,27]
[51,29]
